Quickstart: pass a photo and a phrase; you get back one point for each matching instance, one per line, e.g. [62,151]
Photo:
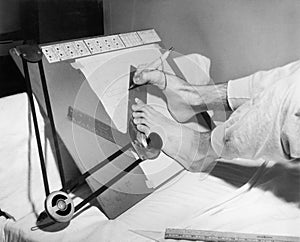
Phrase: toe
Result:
[138,114]
[138,121]
[143,108]
[144,129]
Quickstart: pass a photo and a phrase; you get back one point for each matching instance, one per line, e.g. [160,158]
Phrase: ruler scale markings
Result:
[93,125]
[205,235]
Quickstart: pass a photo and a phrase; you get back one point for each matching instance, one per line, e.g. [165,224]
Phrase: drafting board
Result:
[82,83]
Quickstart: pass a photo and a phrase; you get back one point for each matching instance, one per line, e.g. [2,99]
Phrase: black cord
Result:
[36,128]
[108,184]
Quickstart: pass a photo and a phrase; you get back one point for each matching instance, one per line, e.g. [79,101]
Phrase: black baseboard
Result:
[11,80]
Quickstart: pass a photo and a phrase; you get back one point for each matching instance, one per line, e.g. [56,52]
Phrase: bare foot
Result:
[148,120]
[179,93]
[190,148]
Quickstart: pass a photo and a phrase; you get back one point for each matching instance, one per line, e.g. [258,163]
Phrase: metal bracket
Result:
[30,53]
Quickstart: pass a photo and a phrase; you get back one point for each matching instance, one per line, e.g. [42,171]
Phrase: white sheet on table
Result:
[22,191]
[21,184]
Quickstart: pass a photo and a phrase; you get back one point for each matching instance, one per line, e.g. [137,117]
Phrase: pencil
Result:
[154,64]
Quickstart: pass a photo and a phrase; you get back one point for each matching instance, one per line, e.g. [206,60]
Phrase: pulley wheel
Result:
[59,206]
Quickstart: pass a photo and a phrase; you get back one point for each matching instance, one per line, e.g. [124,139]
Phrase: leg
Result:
[268,126]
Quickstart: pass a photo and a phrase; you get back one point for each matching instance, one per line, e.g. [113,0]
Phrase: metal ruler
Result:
[103,130]
[206,235]
[96,126]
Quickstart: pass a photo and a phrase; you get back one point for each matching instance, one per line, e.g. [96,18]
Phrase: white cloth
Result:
[244,89]
[21,182]
[258,211]
[266,122]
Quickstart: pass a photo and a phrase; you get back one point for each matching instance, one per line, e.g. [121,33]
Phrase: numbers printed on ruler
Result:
[91,124]
[205,235]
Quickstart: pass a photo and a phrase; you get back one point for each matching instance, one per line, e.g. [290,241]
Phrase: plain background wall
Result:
[239,36]
[9,16]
